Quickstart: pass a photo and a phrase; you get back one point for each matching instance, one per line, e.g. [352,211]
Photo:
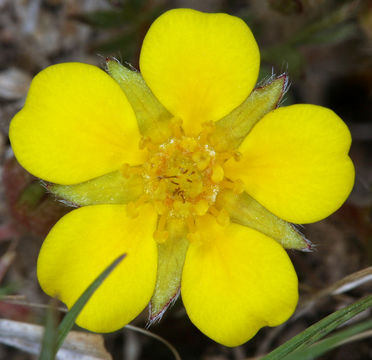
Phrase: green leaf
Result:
[329,343]
[320,329]
[48,346]
[231,130]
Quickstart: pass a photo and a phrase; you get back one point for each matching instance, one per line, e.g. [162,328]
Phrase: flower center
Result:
[182,178]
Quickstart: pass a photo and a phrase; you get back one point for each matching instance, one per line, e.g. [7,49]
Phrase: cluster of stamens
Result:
[182,178]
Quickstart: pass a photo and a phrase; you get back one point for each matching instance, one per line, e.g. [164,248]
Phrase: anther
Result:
[238,186]
[208,127]
[188,144]
[217,174]
[201,207]
[190,222]
[213,210]
[201,159]
[161,236]
[237,155]
[176,124]
[223,218]
[143,142]
[160,207]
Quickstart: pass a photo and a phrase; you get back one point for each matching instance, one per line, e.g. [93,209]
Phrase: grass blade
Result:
[69,320]
[329,343]
[319,329]
[48,345]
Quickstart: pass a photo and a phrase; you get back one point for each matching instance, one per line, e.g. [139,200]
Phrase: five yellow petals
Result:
[77,125]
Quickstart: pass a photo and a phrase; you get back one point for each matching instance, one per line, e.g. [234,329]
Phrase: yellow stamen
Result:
[223,218]
[161,236]
[214,211]
[189,144]
[238,186]
[208,127]
[237,155]
[201,207]
[159,207]
[190,222]
[201,159]
[217,174]
[176,125]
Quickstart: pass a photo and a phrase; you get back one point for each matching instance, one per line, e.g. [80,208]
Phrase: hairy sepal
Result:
[171,257]
[246,211]
[230,131]
[112,188]
[152,117]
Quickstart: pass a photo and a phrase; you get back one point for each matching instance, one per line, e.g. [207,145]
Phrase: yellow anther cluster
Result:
[182,178]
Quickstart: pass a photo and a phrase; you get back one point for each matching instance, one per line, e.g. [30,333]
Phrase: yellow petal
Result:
[200,66]
[295,163]
[76,125]
[82,244]
[235,281]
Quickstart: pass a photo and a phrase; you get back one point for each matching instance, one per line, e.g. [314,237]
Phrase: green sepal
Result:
[171,257]
[112,188]
[152,117]
[246,211]
[230,131]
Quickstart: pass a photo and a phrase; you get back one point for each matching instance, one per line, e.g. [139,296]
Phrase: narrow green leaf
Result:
[48,346]
[329,343]
[69,320]
[319,329]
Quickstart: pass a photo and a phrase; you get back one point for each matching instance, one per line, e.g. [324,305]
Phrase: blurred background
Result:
[325,46]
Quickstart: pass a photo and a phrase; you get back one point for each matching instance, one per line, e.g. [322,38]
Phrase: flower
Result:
[186,172]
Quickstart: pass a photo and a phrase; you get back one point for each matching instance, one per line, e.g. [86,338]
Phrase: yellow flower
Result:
[170,177]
